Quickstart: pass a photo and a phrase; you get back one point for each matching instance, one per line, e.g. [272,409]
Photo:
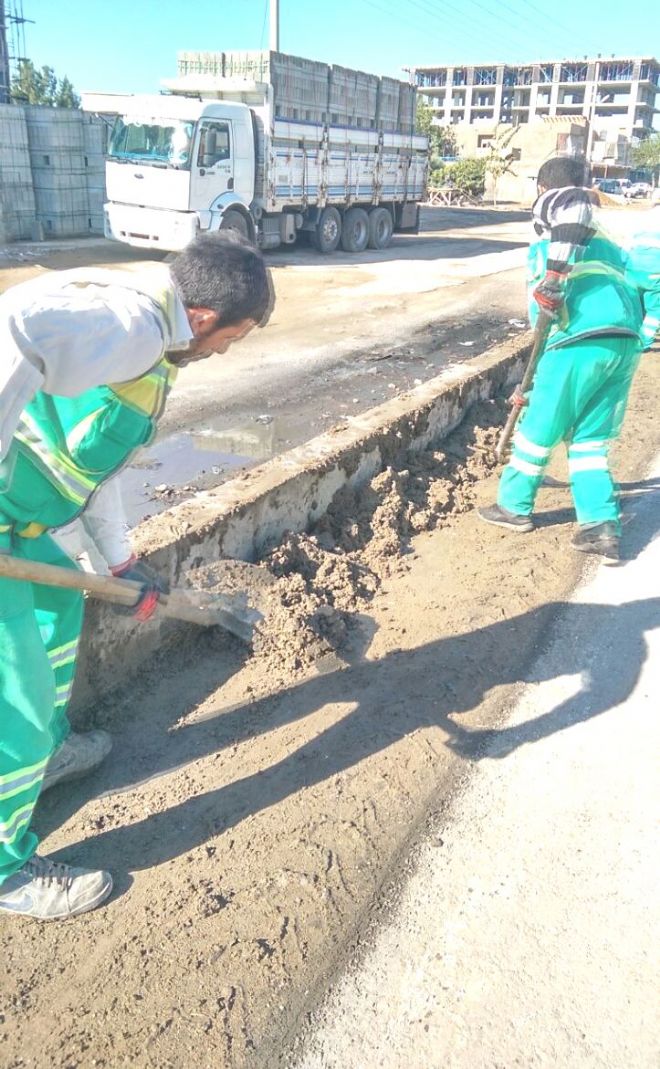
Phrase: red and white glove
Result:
[153,585]
[518,399]
[549,294]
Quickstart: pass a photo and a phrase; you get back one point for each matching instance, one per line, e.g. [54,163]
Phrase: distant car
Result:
[639,189]
[610,185]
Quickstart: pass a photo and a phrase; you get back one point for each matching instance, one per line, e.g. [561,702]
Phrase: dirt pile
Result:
[311,585]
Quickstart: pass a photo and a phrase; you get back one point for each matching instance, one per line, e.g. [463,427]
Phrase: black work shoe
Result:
[601,538]
[513,521]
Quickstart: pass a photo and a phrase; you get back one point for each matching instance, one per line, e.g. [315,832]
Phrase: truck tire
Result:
[233,220]
[327,234]
[355,230]
[381,228]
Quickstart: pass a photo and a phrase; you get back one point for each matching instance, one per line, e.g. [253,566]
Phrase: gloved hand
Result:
[153,585]
[518,399]
[549,294]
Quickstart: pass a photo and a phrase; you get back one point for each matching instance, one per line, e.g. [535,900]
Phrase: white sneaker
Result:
[49,891]
[78,755]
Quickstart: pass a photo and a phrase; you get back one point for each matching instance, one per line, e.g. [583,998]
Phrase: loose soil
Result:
[255,802]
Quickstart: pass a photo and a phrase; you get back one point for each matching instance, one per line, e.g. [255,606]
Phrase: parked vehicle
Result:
[270,145]
[639,189]
[609,185]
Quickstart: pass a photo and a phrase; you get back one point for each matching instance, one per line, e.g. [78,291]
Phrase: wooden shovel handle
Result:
[177,604]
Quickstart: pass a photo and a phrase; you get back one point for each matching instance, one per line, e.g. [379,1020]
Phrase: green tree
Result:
[647,154]
[33,86]
[424,121]
[500,157]
[469,175]
[66,96]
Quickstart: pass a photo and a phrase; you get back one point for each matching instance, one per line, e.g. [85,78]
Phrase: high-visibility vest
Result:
[644,271]
[66,447]
[600,298]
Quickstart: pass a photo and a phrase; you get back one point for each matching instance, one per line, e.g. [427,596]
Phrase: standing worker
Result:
[87,361]
[578,279]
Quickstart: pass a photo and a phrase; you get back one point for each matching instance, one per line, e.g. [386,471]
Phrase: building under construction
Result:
[617,95]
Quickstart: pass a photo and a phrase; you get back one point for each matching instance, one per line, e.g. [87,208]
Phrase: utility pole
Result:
[4,58]
[274,25]
[592,113]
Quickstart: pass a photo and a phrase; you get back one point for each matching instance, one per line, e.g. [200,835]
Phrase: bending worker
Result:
[577,278]
[87,361]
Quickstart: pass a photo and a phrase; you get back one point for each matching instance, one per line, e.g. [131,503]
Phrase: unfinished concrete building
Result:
[617,96]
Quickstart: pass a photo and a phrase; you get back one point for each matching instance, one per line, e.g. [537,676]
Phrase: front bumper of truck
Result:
[149,228]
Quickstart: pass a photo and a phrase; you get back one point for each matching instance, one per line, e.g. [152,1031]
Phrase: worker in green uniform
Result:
[643,267]
[87,359]
[578,278]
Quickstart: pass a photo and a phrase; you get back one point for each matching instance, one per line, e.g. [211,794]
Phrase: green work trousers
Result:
[39,633]
[579,397]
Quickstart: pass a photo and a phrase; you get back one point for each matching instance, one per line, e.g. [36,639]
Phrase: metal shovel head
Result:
[229,611]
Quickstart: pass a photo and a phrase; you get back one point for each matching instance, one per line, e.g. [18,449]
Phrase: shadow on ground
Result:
[431,686]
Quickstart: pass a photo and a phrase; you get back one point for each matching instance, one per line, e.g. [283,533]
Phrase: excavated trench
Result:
[311,587]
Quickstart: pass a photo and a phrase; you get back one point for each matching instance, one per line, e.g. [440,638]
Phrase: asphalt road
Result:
[347,333]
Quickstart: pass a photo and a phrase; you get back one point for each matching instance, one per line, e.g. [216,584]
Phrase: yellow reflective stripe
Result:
[63,655]
[527,446]
[525,467]
[587,464]
[146,393]
[76,485]
[10,829]
[593,268]
[9,777]
[33,530]
[23,782]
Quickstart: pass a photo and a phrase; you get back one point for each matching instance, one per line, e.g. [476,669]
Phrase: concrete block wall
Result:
[52,173]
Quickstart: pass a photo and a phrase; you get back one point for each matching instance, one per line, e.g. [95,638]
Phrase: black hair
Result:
[223,271]
[563,171]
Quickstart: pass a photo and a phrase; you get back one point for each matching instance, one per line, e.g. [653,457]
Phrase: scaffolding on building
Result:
[12,44]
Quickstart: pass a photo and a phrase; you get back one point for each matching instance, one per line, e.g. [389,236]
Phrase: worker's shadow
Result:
[431,686]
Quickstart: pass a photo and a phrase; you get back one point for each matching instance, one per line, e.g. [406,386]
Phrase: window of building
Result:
[573,72]
[515,153]
[485,75]
[460,76]
[431,78]
[546,72]
[616,72]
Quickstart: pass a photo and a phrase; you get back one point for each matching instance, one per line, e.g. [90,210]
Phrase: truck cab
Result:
[176,166]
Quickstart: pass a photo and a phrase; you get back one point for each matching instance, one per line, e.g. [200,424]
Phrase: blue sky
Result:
[129,45]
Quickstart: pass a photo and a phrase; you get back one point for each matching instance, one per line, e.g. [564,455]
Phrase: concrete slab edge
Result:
[244,517]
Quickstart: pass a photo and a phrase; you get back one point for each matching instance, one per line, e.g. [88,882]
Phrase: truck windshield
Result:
[147,142]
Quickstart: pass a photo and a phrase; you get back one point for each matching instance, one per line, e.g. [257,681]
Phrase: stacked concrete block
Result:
[57,156]
[307,91]
[95,135]
[17,205]
[387,115]
[353,98]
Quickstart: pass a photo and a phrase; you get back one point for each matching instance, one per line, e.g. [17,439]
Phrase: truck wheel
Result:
[381,228]
[328,230]
[355,230]
[233,220]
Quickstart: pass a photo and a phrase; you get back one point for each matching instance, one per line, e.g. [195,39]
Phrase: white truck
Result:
[274,158]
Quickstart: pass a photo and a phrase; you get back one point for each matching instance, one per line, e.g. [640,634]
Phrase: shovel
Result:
[541,332]
[229,611]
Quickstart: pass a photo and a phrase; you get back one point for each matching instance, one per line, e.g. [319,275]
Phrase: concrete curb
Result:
[247,515]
